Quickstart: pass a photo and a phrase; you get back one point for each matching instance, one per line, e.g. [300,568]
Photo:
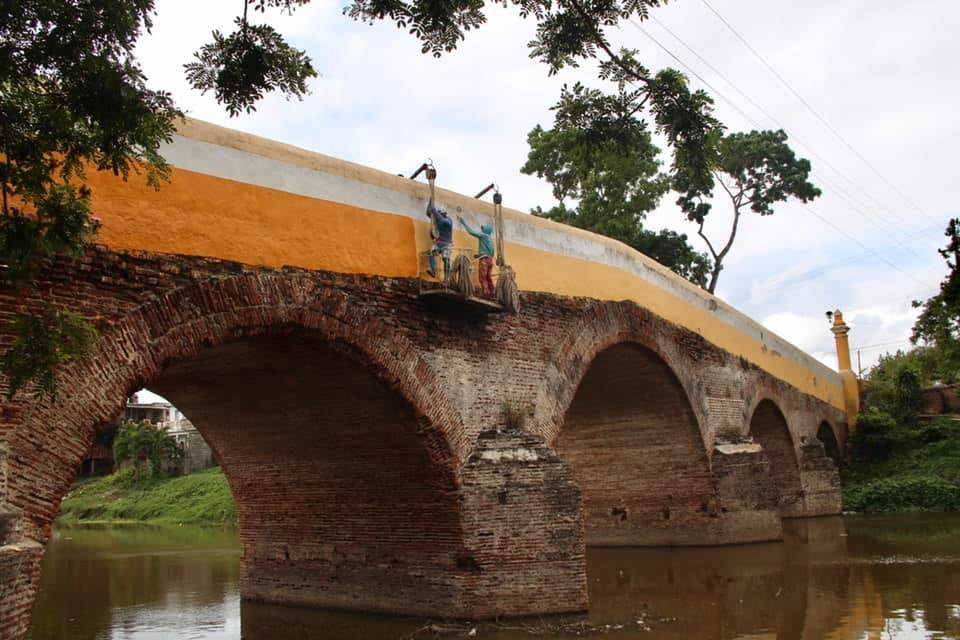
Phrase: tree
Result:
[938,325]
[144,445]
[927,360]
[73,98]
[600,155]
[254,60]
[570,32]
[756,170]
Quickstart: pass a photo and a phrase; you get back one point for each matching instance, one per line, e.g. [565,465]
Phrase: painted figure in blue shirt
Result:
[442,234]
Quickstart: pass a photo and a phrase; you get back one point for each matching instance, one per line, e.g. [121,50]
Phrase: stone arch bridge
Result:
[389,455]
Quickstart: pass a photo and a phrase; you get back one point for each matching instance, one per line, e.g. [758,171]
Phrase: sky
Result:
[867,90]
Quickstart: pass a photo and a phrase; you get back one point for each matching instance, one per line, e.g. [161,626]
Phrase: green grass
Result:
[202,498]
[922,472]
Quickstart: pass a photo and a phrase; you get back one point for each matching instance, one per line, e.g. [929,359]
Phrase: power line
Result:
[753,120]
[881,345]
[780,124]
[816,113]
[695,74]
[851,238]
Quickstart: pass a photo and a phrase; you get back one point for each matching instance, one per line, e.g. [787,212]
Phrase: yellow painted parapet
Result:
[237,197]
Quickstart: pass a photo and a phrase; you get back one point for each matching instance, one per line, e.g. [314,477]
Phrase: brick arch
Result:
[769,427]
[138,346]
[624,422]
[827,436]
[605,326]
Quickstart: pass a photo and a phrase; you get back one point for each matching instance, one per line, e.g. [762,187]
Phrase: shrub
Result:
[923,493]
[935,431]
[872,439]
[908,393]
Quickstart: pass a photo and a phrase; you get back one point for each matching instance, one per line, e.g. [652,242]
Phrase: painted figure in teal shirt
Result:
[484,253]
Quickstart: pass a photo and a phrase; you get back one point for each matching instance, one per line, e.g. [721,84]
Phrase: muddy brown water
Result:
[853,577]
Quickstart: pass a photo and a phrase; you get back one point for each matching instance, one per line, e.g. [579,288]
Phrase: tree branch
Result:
[725,188]
[707,240]
[639,106]
[733,233]
[599,40]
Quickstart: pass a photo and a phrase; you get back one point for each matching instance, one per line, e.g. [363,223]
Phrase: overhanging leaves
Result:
[44,343]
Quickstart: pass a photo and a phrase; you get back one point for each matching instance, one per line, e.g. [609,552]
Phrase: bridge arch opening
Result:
[344,498]
[634,443]
[768,426]
[828,438]
[339,501]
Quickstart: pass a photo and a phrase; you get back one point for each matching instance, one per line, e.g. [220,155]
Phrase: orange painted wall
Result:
[202,215]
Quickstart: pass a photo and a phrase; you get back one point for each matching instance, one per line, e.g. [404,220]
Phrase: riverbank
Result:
[920,471]
[198,498]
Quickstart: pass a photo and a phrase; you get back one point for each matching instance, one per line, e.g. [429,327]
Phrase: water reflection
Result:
[893,577]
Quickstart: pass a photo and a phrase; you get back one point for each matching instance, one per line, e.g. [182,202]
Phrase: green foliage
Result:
[895,383]
[919,471]
[602,156]
[569,33]
[873,435]
[202,497]
[925,493]
[43,343]
[939,322]
[928,362]
[756,170]
[71,97]
[900,463]
[145,446]
[241,67]
[59,224]
[908,396]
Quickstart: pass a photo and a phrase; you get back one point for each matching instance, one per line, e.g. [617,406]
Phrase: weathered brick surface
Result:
[339,503]
[523,529]
[634,443]
[350,419]
[19,568]
[769,428]
[747,493]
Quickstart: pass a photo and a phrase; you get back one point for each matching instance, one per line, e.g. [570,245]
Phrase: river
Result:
[845,578]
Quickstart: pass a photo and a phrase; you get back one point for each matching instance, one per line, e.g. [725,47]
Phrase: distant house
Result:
[196,454]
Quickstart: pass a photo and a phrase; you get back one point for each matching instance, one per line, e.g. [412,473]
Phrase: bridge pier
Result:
[820,479]
[19,571]
[747,495]
[523,530]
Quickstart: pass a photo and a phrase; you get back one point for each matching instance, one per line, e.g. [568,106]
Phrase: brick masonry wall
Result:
[344,408]
[333,483]
[769,428]
[634,444]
